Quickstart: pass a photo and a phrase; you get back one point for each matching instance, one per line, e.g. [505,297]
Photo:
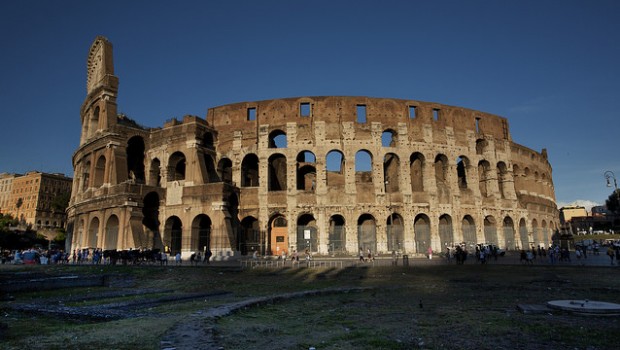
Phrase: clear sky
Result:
[551,67]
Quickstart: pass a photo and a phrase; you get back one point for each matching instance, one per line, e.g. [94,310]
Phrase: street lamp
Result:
[609,175]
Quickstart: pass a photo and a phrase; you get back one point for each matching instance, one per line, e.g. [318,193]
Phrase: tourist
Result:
[177,258]
[429,251]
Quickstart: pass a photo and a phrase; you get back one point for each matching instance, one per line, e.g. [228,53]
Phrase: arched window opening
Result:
[502,178]
[446,234]
[307,233]
[483,173]
[201,229]
[224,168]
[100,171]
[481,146]
[86,176]
[388,138]
[173,235]
[249,171]
[337,235]
[93,234]
[277,139]
[391,171]
[135,159]
[462,164]
[395,232]
[524,236]
[416,168]
[367,233]
[422,232]
[249,236]
[509,234]
[277,173]
[363,167]
[441,169]
[278,236]
[207,140]
[176,166]
[469,233]
[111,233]
[155,173]
[335,168]
[306,171]
[490,230]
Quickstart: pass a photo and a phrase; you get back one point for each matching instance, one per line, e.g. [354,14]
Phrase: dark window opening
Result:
[304,109]
[361,113]
[252,113]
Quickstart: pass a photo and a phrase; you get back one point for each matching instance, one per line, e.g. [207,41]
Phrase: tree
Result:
[612,203]
[60,202]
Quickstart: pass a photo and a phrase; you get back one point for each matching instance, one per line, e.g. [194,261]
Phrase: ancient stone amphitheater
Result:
[331,174]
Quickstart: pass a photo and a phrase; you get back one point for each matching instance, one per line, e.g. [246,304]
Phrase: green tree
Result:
[60,202]
[612,202]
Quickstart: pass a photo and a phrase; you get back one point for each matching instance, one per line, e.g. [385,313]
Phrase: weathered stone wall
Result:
[329,174]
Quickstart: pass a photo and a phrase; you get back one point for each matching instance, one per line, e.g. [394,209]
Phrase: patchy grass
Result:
[434,307]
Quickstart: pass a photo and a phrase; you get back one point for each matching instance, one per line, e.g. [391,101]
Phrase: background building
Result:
[329,174]
[38,200]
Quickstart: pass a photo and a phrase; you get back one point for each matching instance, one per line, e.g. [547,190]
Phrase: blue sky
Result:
[551,67]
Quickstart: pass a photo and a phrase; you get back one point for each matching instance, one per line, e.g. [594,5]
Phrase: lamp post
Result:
[609,175]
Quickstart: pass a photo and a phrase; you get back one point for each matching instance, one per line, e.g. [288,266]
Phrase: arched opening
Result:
[173,235]
[93,234]
[207,140]
[446,233]
[509,233]
[86,176]
[468,226]
[249,171]
[462,167]
[277,139]
[278,236]
[395,232]
[277,172]
[502,178]
[224,168]
[367,233]
[483,173]
[337,234]
[545,234]
[99,172]
[363,167]
[111,233]
[523,234]
[135,159]
[391,170]
[155,173]
[422,232]
[306,171]
[201,233]
[481,146]
[441,178]
[416,168]
[490,230]
[307,233]
[335,169]
[536,233]
[388,138]
[150,219]
[249,236]
[176,167]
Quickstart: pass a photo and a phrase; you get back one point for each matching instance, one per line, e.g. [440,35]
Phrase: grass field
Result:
[431,307]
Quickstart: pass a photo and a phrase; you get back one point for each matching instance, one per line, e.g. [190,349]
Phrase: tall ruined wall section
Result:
[329,174]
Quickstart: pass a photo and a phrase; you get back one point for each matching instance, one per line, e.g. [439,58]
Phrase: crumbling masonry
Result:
[328,174]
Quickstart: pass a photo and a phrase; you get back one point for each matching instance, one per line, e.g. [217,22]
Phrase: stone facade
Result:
[35,198]
[329,174]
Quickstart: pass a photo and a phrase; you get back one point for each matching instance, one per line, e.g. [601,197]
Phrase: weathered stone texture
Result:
[327,174]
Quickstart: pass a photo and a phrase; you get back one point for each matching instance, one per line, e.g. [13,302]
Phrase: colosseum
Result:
[329,174]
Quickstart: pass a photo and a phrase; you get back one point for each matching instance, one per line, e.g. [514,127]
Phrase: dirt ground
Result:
[429,307]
